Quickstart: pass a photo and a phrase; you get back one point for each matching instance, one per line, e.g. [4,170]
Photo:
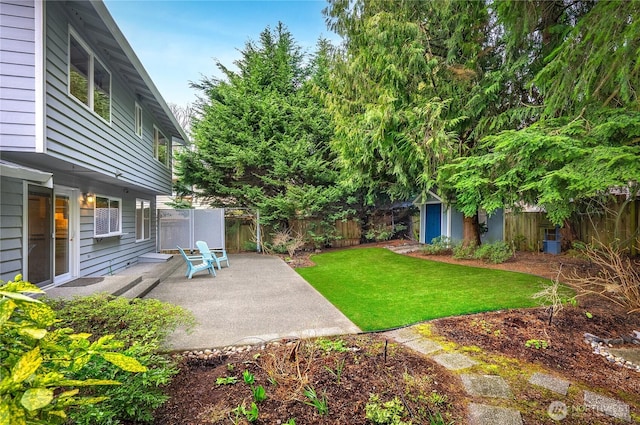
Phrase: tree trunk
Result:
[568,235]
[471,231]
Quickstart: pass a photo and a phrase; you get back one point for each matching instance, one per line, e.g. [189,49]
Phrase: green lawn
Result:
[379,289]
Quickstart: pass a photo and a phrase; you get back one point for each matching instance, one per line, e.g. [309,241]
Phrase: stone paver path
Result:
[454,361]
[550,382]
[481,414]
[607,405]
[493,386]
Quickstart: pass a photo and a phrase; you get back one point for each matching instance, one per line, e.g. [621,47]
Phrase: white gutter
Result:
[8,169]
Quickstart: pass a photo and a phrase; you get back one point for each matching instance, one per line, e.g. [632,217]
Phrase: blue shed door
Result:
[433,222]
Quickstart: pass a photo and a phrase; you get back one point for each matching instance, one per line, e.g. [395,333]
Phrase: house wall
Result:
[17,75]
[452,224]
[98,256]
[78,136]
[495,226]
[102,256]
[457,225]
[11,215]
[44,128]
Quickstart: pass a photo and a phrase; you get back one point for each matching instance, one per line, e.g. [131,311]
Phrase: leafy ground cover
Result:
[379,289]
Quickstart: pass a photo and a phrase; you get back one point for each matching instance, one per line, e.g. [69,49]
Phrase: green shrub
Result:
[462,252]
[249,246]
[497,252]
[387,413]
[42,362]
[439,245]
[132,320]
[143,325]
[379,233]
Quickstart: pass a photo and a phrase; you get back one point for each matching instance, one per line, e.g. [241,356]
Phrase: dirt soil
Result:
[347,370]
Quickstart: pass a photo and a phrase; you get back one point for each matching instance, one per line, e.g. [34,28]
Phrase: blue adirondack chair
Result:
[197,263]
[214,255]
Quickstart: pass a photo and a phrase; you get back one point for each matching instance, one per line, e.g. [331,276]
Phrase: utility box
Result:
[551,244]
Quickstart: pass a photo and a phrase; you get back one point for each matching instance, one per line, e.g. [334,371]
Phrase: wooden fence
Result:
[621,222]
[240,232]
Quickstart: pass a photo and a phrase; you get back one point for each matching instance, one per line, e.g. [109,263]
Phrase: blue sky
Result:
[179,41]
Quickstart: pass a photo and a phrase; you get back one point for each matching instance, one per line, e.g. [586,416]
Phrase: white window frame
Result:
[91,77]
[111,232]
[156,144]
[138,120]
[146,221]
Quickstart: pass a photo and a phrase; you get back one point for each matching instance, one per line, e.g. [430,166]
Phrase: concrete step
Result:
[141,289]
[109,284]
[125,283]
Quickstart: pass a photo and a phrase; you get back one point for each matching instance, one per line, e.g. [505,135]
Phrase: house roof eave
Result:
[122,55]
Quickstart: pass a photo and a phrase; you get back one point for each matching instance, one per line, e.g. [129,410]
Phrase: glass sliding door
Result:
[39,235]
[62,245]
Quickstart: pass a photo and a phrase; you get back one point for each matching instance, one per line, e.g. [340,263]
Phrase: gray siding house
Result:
[85,144]
[439,219]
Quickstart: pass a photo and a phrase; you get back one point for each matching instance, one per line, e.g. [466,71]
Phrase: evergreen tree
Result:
[262,134]
[411,90]
[585,139]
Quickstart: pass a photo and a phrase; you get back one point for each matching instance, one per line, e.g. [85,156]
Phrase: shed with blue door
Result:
[439,219]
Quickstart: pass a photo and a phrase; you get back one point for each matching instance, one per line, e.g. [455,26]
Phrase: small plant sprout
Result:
[250,414]
[248,377]
[387,413]
[588,314]
[437,399]
[321,405]
[328,345]
[338,372]
[259,394]
[537,344]
[226,380]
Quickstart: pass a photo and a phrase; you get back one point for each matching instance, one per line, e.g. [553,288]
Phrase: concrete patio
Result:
[258,299]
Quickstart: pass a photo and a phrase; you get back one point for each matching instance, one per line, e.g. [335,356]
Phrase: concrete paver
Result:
[403,335]
[607,405]
[258,299]
[424,346]
[482,414]
[486,386]
[454,361]
[550,382]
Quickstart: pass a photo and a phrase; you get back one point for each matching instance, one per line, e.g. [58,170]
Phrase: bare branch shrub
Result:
[295,243]
[617,278]
[285,240]
[551,297]
[281,238]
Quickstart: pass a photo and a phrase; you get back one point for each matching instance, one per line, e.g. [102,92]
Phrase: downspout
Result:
[258,247]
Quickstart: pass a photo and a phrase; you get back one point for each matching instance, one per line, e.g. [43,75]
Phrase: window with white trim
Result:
[143,220]
[89,80]
[107,216]
[161,147]
[138,120]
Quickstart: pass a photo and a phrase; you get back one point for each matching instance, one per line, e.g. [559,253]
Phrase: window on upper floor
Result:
[161,147]
[138,120]
[107,216]
[89,79]
[143,220]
